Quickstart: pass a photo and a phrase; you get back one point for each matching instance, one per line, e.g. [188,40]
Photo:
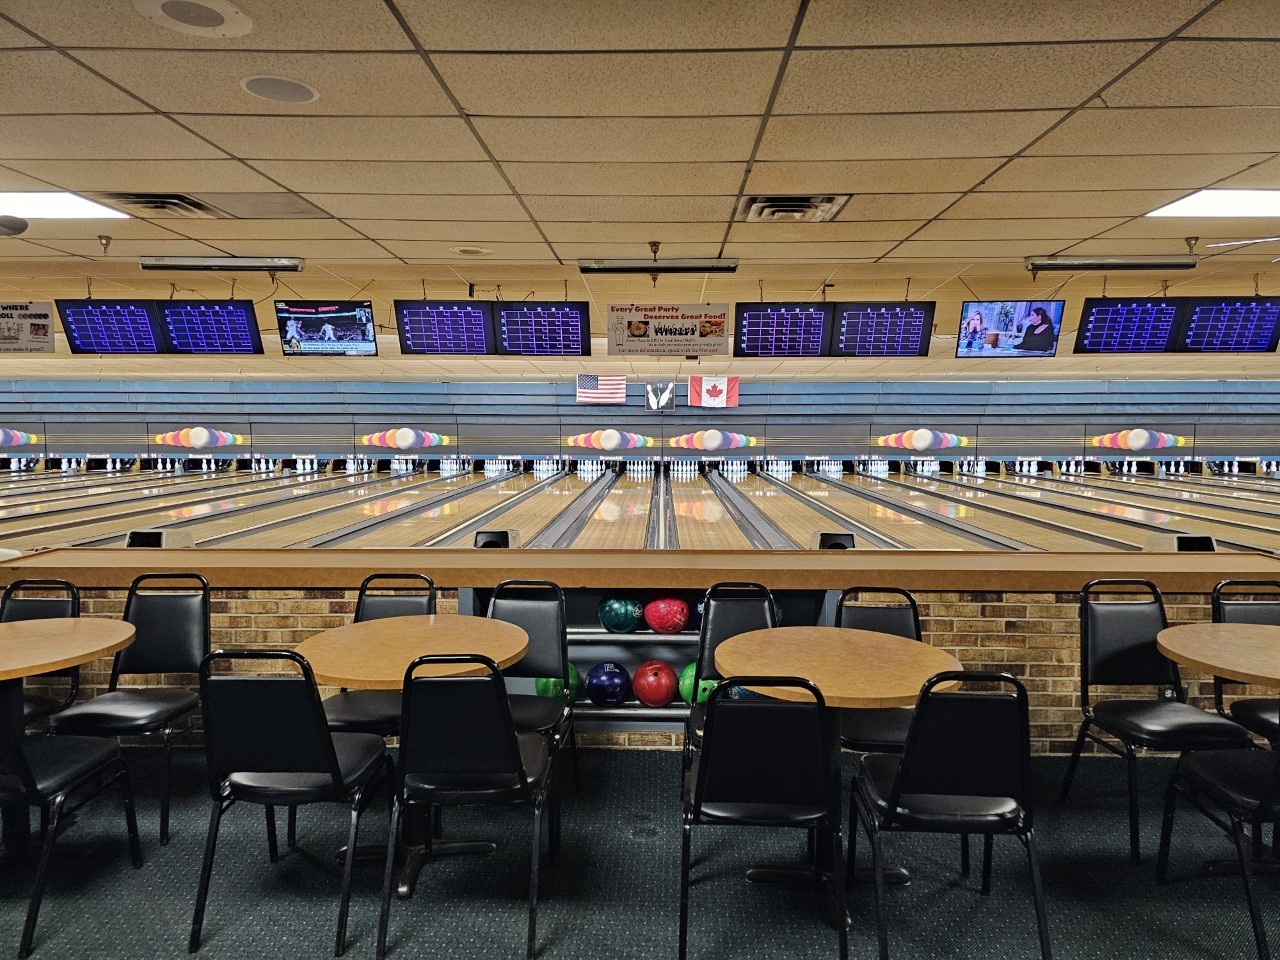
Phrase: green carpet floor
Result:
[614,892]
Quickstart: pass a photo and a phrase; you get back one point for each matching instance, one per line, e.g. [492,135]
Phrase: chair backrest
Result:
[968,744]
[171,625]
[14,606]
[1229,609]
[768,751]
[728,610]
[901,617]
[537,608]
[1118,636]
[456,732]
[398,601]
[264,724]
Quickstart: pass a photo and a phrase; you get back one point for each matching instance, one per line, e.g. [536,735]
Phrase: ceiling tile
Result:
[277,25]
[806,251]
[1057,228]
[636,250]
[13,248]
[830,23]
[439,250]
[389,207]
[13,180]
[626,179]
[11,37]
[1209,229]
[152,176]
[1125,248]
[878,176]
[1202,73]
[905,136]
[368,84]
[635,140]
[99,138]
[1239,18]
[176,247]
[1117,173]
[216,230]
[337,176]
[1159,130]
[611,84]
[631,209]
[822,232]
[896,206]
[91,229]
[340,138]
[1264,176]
[977,249]
[617,232]
[453,231]
[1079,203]
[44,81]
[358,249]
[921,79]
[555,25]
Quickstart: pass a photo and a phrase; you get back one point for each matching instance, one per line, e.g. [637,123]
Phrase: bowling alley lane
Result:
[702,523]
[417,528]
[799,522]
[1175,493]
[111,492]
[117,485]
[621,519]
[531,515]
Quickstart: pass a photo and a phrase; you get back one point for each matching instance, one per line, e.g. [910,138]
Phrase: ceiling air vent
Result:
[154,206]
[815,209]
[213,206]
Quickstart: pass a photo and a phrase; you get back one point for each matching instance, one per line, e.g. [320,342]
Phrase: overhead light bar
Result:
[672,265]
[1177,261]
[55,205]
[1223,203]
[254,264]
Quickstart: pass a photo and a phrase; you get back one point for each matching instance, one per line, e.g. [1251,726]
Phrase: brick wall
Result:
[1034,636]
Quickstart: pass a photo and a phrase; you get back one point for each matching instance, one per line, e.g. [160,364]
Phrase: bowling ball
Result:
[655,684]
[666,614]
[695,615]
[686,685]
[554,686]
[777,614]
[620,616]
[608,684]
[742,693]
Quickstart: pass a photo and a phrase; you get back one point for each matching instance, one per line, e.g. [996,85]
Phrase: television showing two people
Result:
[1010,328]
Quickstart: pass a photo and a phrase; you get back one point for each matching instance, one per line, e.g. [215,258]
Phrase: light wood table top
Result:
[852,668]
[1247,652]
[374,654]
[31,647]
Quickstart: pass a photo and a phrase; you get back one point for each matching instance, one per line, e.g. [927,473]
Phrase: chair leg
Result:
[1037,896]
[1246,873]
[1131,769]
[964,855]
[686,838]
[853,841]
[130,816]
[573,746]
[42,877]
[1075,759]
[986,864]
[837,877]
[344,898]
[388,878]
[1166,828]
[291,835]
[206,872]
[877,870]
[553,825]
[437,822]
[535,856]
[811,847]
[164,785]
[272,850]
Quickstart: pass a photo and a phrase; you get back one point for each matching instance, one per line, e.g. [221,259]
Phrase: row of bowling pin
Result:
[496,468]
[1026,466]
[640,469]
[734,470]
[590,469]
[455,466]
[830,468]
[971,466]
[781,469]
[73,465]
[684,469]
[926,468]
[21,464]
[404,464]
[875,468]
[542,469]
[1224,467]
[1269,467]
[263,465]
[1071,466]
[359,464]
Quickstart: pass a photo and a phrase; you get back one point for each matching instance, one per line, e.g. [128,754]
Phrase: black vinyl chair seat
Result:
[936,811]
[1241,779]
[364,711]
[877,729]
[1258,601]
[57,765]
[122,712]
[1260,716]
[1167,725]
[470,788]
[535,714]
[359,756]
[36,707]
[895,612]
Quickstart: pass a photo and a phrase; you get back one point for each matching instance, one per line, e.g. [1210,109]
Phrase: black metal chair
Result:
[965,769]
[59,775]
[1260,715]
[766,763]
[1232,788]
[172,636]
[537,607]
[267,743]
[459,747]
[878,729]
[378,711]
[1118,648]
[15,606]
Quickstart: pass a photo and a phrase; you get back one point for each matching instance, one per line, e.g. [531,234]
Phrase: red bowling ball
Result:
[655,684]
[666,614]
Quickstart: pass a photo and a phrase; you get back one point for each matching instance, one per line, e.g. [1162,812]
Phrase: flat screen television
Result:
[781,329]
[1110,325]
[1229,325]
[542,329]
[445,326]
[209,326]
[874,329]
[317,328]
[1009,328]
[111,326]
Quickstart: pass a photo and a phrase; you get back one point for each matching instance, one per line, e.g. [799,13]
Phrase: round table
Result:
[852,668]
[32,647]
[1248,652]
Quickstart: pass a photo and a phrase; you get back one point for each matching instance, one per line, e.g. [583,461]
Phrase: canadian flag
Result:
[713,391]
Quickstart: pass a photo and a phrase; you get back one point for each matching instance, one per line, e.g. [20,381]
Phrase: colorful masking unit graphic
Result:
[609,440]
[17,438]
[405,438]
[712,440]
[922,440]
[1139,440]
[198,438]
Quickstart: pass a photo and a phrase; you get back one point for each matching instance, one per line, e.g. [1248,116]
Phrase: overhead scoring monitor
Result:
[445,326]
[872,329]
[1229,325]
[781,329]
[1009,328]
[209,326]
[326,328]
[111,326]
[1126,326]
[546,329]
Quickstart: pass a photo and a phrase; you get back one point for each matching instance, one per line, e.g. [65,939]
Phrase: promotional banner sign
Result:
[669,329]
[26,327]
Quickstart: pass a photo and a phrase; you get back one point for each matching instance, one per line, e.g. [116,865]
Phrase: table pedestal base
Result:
[416,856]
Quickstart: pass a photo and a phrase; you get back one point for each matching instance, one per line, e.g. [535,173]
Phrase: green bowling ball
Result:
[554,687]
[620,616]
[686,685]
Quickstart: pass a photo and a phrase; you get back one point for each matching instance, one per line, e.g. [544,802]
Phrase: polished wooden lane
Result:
[100,487]
[530,516]
[425,525]
[799,522]
[1247,652]
[1262,508]
[621,519]
[702,523]
[906,529]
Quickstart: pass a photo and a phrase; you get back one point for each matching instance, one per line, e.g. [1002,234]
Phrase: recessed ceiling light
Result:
[1224,203]
[471,251]
[55,206]
[279,89]
[197,18]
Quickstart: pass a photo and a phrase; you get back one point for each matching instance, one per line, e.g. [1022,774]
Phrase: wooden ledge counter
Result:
[915,570]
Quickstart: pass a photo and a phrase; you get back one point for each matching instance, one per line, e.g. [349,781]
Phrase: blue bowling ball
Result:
[608,684]
[695,615]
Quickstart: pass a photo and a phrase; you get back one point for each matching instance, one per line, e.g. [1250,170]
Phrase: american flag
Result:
[593,389]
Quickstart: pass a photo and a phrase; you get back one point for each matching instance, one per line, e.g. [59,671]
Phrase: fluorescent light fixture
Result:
[1224,203]
[55,206]
[207,264]
[670,265]
[1177,261]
